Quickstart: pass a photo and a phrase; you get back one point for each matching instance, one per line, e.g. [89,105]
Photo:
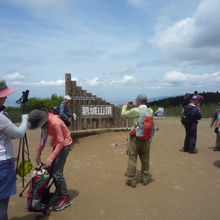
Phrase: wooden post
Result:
[73,104]
[68,83]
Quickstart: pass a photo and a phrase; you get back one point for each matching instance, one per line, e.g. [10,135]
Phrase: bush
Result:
[207,111]
[34,103]
[14,114]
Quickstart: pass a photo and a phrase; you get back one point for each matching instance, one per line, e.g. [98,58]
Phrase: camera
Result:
[24,98]
[130,105]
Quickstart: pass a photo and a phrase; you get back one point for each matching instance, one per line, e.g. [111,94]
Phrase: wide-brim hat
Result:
[37,118]
[4,90]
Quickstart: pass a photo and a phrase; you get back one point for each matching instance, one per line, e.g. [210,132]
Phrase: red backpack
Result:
[38,195]
[145,125]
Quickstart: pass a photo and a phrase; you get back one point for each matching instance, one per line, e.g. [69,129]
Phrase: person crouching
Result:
[52,125]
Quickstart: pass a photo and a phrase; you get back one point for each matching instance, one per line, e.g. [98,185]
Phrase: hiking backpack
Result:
[145,125]
[186,117]
[38,195]
[55,111]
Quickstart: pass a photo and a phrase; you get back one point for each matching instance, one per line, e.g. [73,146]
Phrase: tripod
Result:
[25,166]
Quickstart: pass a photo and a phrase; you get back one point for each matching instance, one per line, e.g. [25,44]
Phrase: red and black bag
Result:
[38,195]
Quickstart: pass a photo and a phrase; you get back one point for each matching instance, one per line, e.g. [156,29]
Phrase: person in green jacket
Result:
[137,147]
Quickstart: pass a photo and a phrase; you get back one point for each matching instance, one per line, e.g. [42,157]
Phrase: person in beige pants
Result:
[137,147]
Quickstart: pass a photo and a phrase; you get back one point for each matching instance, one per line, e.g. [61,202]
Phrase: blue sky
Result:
[115,49]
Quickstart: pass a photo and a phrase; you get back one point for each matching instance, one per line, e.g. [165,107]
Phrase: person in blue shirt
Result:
[63,111]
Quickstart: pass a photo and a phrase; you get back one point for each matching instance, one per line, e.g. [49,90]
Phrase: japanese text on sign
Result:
[100,111]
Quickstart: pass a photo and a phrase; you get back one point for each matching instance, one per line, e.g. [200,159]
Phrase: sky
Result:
[114,49]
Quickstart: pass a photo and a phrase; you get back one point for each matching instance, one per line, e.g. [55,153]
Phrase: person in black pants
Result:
[193,115]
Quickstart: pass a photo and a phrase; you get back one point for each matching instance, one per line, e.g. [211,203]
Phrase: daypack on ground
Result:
[186,117]
[38,196]
[145,125]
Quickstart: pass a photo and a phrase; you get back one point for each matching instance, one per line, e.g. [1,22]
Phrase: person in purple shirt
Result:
[200,98]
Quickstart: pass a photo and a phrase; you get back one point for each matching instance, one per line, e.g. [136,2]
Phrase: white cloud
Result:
[14,76]
[44,83]
[128,78]
[195,38]
[94,82]
[126,81]
[178,35]
[175,79]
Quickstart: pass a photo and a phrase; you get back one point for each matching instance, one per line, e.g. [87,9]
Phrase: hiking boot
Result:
[131,184]
[63,202]
[195,151]
[216,148]
[144,182]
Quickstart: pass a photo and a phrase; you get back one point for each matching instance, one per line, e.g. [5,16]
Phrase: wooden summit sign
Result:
[96,111]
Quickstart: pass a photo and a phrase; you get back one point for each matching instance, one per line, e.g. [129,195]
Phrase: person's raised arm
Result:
[17,132]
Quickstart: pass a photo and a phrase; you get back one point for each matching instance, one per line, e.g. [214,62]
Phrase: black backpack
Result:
[186,117]
[55,111]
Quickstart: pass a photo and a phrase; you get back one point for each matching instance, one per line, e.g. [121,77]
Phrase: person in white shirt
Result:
[7,168]
[159,112]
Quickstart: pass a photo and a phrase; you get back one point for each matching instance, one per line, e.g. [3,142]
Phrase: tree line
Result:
[174,105]
[209,98]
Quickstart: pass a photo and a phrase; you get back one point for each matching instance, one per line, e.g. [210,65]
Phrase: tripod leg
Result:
[18,157]
[23,162]
[27,148]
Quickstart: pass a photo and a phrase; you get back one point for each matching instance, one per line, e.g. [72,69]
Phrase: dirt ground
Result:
[184,186]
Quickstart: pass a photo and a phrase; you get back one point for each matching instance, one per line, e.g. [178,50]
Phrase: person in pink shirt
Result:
[52,125]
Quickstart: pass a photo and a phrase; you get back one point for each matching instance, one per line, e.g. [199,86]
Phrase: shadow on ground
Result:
[31,216]
[73,194]
[217,163]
